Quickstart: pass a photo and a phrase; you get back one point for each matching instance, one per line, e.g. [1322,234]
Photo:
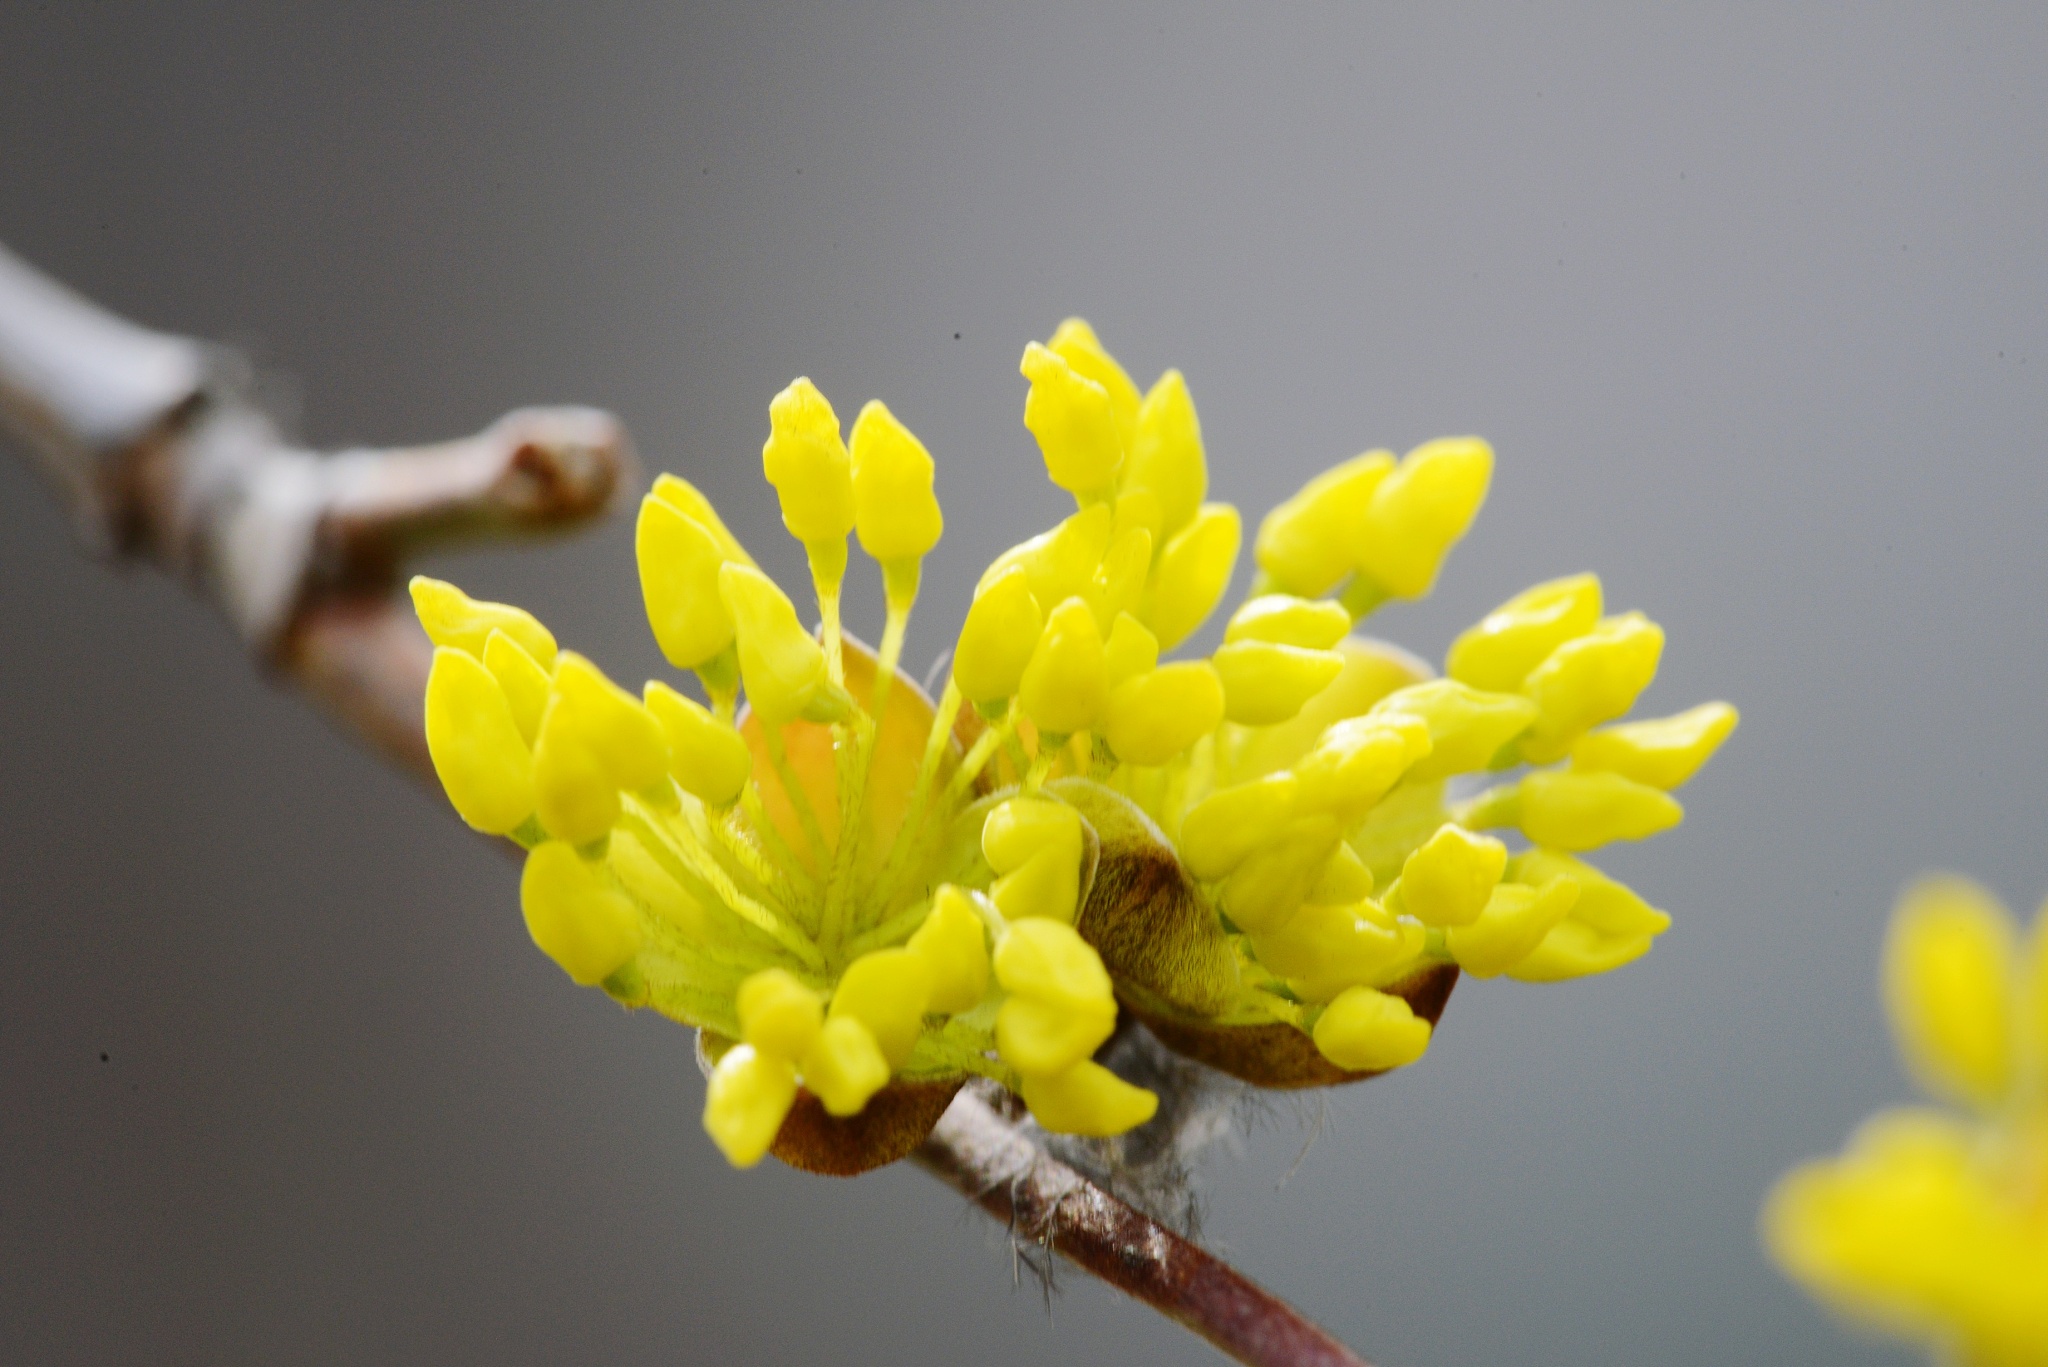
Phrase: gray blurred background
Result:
[1751,304]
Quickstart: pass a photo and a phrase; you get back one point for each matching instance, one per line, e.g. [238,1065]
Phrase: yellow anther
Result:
[1065,681]
[474,740]
[1662,753]
[1151,718]
[1060,1008]
[1516,918]
[1087,1099]
[1368,1031]
[1273,882]
[894,510]
[575,796]
[1418,512]
[452,618]
[1515,637]
[1130,651]
[1345,880]
[688,500]
[1948,977]
[1467,728]
[654,887]
[1448,880]
[679,562]
[1166,457]
[1224,827]
[1329,947]
[887,991]
[1571,810]
[782,665]
[779,1015]
[1356,761]
[953,943]
[524,681]
[1192,573]
[574,916]
[609,721]
[1074,421]
[1310,542]
[705,755]
[1076,344]
[1265,682]
[807,463]
[1002,629]
[1120,582]
[844,1066]
[745,1102]
[1313,623]
[1588,680]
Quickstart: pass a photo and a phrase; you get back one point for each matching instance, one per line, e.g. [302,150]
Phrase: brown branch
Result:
[154,444]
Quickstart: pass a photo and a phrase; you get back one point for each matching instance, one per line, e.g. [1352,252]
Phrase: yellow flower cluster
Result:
[1931,1225]
[862,897]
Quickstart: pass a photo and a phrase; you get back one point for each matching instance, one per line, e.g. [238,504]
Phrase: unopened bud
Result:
[1192,573]
[1271,884]
[1002,628]
[1329,947]
[1120,582]
[807,463]
[574,916]
[1356,761]
[609,721]
[745,1102]
[1467,728]
[779,1015]
[1572,810]
[1224,827]
[887,990]
[782,665]
[1076,343]
[953,943]
[474,741]
[844,1066]
[1662,753]
[1345,880]
[1087,1099]
[1498,653]
[1130,651]
[705,755]
[687,499]
[1368,1031]
[1418,512]
[1588,680]
[1515,920]
[1166,457]
[1065,681]
[1153,717]
[525,683]
[679,562]
[1312,623]
[452,618]
[1061,1007]
[1449,878]
[1948,983]
[1074,422]
[1310,542]
[894,510]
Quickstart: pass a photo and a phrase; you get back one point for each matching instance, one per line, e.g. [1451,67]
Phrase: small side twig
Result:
[153,443]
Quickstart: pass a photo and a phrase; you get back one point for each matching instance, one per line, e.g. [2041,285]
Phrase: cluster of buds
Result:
[1934,1225]
[861,897]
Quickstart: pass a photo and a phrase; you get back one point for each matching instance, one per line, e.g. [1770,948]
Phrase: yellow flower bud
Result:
[1227,825]
[452,618]
[1120,582]
[807,463]
[1310,542]
[1574,949]
[1038,1037]
[1074,421]
[575,796]
[1345,880]
[1420,510]
[952,941]
[610,722]
[574,916]
[525,683]
[473,738]
[1588,680]
[1063,562]
[779,1015]
[1265,682]
[1087,1099]
[1368,1031]
[1076,344]
[894,510]
[1314,624]
[1016,830]
[1130,651]
[1048,884]
[1166,456]
[1356,761]
[844,1066]
[705,755]
[1002,629]
[1328,948]
[1272,883]
[745,1102]
[1153,717]
[687,499]
[887,991]
[1662,753]
[1607,905]
[1569,810]
[1060,1007]
[1448,880]
[1514,922]
[1948,978]
[1066,678]
[781,663]
[679,562]
[1498,653]
[1467,728]
[1136,508]
[1192,573]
